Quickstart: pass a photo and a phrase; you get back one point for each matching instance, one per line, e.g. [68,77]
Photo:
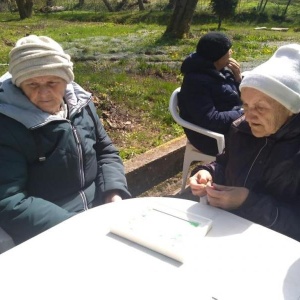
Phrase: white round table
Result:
[81,259]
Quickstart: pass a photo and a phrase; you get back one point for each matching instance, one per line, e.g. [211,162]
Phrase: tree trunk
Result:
[121,5]
[219,23]
[286,8]
[80,3]
[180,22]
[25,8]
[171,4]
[141,4]
[263,9]
[108,6]
[259,6]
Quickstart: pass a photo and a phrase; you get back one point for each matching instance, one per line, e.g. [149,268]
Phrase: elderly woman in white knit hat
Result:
[56,158]
[258,175]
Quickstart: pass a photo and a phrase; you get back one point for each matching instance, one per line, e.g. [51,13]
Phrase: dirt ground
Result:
[170,188]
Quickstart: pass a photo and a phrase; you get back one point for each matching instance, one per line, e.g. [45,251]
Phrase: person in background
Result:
[258,175]
[56,158]
[209,95]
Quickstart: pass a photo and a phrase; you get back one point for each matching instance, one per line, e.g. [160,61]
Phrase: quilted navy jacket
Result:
[51,167]
[270,168]
[208,98]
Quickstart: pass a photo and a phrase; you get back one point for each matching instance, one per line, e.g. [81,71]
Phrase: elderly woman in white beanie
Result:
[258,175]
[56,158]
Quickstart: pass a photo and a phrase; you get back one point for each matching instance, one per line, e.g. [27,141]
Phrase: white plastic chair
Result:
[191,153]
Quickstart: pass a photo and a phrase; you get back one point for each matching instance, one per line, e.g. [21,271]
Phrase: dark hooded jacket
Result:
[52,167]
[270,168]
[207,98]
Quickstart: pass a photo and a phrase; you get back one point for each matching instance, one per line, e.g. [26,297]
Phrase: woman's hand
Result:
[199,181]
[226,197]
[235,68]
[113,196]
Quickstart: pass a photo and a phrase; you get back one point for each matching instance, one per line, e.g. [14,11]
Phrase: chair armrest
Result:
[215,135]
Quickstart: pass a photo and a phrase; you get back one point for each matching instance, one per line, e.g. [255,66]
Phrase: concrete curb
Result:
[154,166]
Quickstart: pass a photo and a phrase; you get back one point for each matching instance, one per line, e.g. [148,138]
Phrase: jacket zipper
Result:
[255,161]
[81,172]
[277,210]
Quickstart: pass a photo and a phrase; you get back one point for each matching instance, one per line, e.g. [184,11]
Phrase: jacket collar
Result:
[14,103]
[195,63]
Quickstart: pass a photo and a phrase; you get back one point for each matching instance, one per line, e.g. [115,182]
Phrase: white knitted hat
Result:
[278,77]
[35,56]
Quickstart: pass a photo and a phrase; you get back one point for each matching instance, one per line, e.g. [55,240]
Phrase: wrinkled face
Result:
[264,114]
[222,62]
[45,92]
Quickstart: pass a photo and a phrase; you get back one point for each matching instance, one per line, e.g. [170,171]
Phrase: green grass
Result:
[130,68]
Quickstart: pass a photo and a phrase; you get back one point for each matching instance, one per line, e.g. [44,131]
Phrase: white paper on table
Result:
[165,230]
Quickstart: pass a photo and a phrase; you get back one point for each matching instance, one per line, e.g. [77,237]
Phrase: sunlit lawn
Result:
[131,69]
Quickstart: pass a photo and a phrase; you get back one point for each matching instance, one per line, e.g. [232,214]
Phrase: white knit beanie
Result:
[35,56]
[278,77]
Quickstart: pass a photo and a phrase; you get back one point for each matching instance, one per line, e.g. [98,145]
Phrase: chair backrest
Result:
[173,107]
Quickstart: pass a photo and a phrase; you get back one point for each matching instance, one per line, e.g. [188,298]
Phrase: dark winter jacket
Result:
[208,98]
[270,168]
[52,168]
